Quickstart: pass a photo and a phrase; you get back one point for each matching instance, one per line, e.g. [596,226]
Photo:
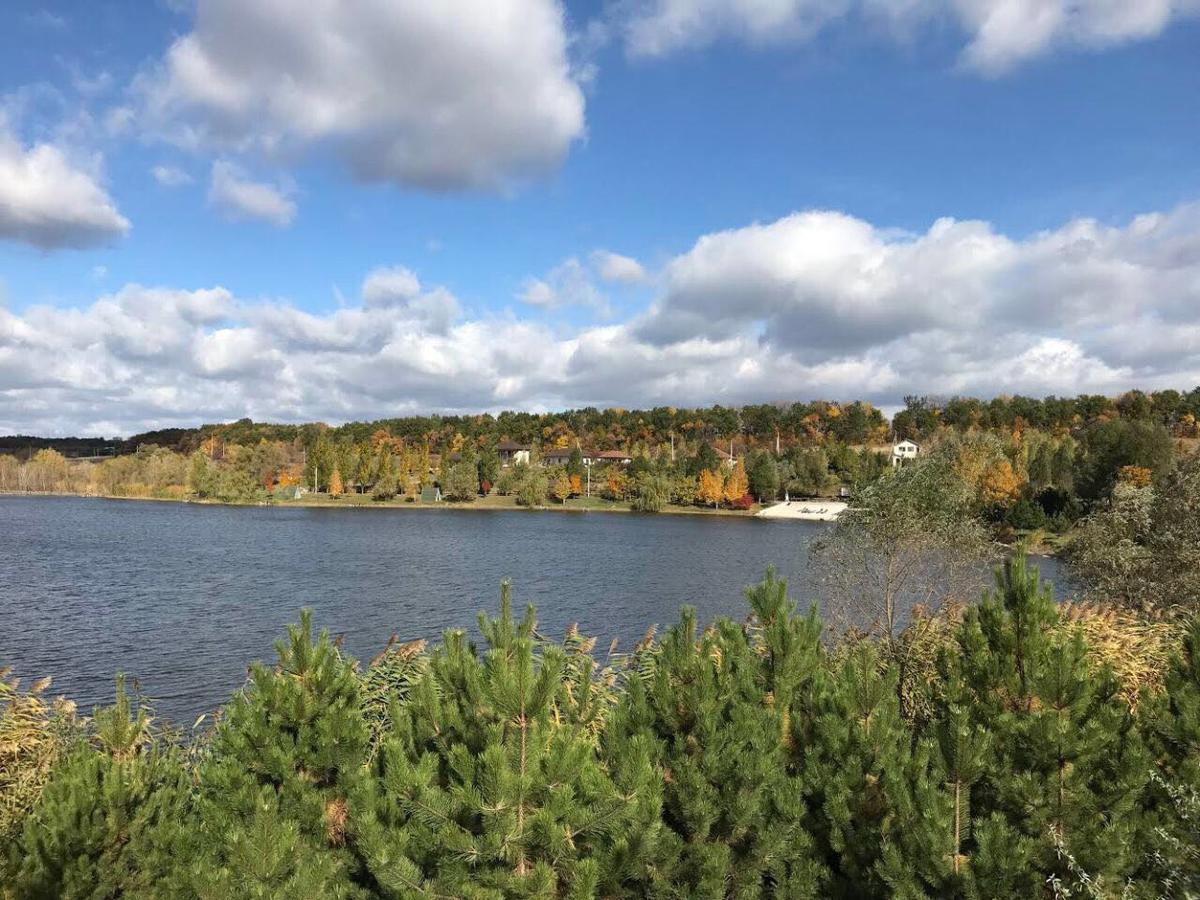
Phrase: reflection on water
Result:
[182,597]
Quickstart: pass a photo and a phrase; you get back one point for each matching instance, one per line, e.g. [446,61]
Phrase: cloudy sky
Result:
[219,208]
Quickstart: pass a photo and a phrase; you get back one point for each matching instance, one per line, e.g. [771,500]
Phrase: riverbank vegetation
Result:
[1037,465]
[1027,750]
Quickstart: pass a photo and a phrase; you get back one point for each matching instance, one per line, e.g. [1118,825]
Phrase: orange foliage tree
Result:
[618,484]
[737,485]
[336,489]
[576,484]
[1138,476]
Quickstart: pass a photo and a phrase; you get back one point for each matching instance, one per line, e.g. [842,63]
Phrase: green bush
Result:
[753,759]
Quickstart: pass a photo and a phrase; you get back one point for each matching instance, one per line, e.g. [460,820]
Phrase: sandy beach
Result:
[811,510]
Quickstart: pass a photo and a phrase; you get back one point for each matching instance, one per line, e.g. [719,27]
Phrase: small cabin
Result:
[904,451]
[614,457]
[511,453]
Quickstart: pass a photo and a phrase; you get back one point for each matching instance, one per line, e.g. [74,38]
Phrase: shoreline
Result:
[482,504]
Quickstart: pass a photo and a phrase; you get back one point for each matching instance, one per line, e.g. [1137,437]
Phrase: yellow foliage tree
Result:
[712,487]
[576,484]
[1000,485]
[336,489]
[737,485]
[561,489]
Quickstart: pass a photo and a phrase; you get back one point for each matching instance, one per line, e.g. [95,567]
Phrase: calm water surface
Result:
[184,596]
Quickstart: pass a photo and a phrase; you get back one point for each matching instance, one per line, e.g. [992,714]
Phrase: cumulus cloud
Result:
[475,93]
[999,33]
[236,197]
[567,284]
[50,201]
[617,268]
[170,176]
[817,304]
[398,288]
[825,284]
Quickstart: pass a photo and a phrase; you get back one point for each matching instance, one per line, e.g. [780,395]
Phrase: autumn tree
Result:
[561,487]
[711,488]
[335,484]
[737,485]
[1000,485]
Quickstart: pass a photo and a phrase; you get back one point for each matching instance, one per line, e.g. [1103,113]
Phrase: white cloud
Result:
[475,93]
[1000,33]
[567,284]
[390,285]
[170,176]
[51,201]
[617,268]
[238,198]
[817,304]
[398,288]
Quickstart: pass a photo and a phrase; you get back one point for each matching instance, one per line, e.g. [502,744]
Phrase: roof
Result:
[512,445]
[612,454]
[564,452]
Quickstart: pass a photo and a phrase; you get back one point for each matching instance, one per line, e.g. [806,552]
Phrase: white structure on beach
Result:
[904,451]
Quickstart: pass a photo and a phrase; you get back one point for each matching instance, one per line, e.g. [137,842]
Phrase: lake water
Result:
[183,596]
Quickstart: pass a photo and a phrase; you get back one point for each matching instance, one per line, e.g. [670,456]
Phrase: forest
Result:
[1036,465]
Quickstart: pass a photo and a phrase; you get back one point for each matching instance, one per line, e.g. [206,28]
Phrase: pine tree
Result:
[863,777]
[276,789]
[1068,765]
[1173,799]
[99,827]
[716,710]
[488,786]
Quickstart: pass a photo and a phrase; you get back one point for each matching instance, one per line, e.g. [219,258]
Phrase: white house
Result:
[510,452]
[904,451]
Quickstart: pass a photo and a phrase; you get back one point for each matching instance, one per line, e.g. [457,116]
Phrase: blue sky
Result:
[652,201]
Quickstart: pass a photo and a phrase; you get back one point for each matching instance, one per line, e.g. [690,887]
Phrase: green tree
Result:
[1108,446]
[533,487]
[489,466]
[1172,804]
[1141,547]
[716,709]
[651,492]
[100,828]
[575,462]
[488,786]
[763,473]
[275,791]
[462,481]
[1069,767]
